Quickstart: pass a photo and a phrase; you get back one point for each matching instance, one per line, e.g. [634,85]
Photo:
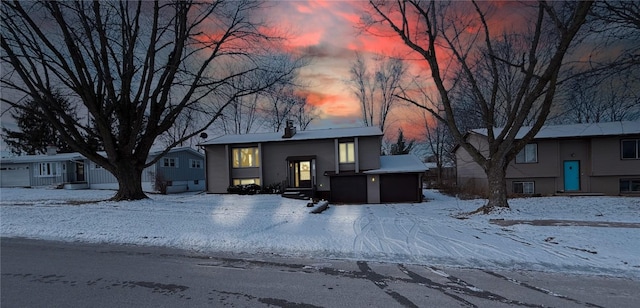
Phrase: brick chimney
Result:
[52,150]
[289,130]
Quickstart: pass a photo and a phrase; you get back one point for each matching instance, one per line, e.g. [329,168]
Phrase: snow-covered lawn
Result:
[430,233]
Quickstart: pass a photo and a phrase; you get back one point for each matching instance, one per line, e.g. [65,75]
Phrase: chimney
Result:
[289,130]
[52,150]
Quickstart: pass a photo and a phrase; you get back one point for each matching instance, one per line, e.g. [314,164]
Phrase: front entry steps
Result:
[295,194]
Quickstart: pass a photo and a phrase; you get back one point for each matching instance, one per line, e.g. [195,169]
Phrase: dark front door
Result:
[79,172]
[300,174]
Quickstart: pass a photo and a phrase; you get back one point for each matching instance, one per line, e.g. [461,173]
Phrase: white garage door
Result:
[14,176]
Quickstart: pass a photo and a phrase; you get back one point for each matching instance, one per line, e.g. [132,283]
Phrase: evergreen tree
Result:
[401,147]
[35,132]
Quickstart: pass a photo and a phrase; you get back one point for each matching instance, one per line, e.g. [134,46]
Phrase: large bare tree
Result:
[376,87]
[134,68]
[510,75]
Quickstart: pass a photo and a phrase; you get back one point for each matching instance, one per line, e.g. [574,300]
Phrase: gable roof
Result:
[399,164]
[317,134]
[576,130]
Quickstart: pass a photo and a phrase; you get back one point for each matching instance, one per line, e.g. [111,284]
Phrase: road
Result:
[53,274]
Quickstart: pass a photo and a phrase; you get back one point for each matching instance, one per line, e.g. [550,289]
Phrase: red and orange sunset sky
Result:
[327,30]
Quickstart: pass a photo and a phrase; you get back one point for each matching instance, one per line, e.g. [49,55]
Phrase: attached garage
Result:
[14,176]
[349,189]
[400,187]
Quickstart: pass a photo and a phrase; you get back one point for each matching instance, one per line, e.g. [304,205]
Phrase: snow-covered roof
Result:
[576,130]
[75,156]
[399,164]
[300,135]
[43,158]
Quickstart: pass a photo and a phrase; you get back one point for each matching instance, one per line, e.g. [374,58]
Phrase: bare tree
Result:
[135,67]
[304,113]
[377,90]
[511,77]
[440,143]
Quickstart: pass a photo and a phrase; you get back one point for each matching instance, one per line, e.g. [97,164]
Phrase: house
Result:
[342,165]
[180,170]
[595,158]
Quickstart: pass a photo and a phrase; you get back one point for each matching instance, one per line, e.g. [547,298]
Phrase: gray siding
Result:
[273,161]
[601,165]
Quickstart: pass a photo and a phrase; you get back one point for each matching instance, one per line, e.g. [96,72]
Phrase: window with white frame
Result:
[195,163]
[524,187]
[47,169]
[347,152]
[630,149]
[630,185]
[170,162]
[528,155]
[246,157]
[246,181]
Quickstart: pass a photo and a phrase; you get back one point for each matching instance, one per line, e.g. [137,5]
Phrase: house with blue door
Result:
[591,158]
[181,169]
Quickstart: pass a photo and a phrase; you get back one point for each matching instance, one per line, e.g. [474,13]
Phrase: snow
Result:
[316,134]
[433,233]
[577,130]
[399,164]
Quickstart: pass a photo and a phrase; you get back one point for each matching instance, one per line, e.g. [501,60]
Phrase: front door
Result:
[79,172]
[300,174]
[571,175]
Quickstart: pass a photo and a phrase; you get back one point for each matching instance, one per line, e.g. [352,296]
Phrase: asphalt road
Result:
[53,274]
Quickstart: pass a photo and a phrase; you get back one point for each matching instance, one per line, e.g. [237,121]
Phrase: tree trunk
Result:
[497,189]
[129,183]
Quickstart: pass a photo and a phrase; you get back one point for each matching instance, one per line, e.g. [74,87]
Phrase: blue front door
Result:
[571,175]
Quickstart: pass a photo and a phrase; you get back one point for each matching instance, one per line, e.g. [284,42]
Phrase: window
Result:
[528,155]
[631,149]
[95,166]
[246,181]
[246,157]
[170,162]
[195,163]
[630,185]
[46,169]
[523,188]
[347,152]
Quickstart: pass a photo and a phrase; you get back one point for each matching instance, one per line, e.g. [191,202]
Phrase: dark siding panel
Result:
[399,188]
[349,189]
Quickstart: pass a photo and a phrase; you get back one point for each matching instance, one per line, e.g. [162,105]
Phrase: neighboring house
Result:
[602,158]
[181,169]
[342,165]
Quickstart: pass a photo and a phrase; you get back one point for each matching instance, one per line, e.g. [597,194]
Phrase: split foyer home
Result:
[599,158]
[342,165]
[181,169]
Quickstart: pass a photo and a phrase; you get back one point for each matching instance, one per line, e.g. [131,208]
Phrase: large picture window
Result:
[631,149]
[528,155]
[347,152]
[246,157]
[246,181]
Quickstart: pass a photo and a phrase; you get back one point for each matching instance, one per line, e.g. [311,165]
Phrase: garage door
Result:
[14,176]
[399,188]
[349,189]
